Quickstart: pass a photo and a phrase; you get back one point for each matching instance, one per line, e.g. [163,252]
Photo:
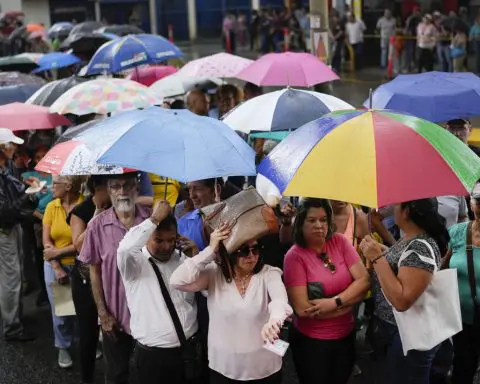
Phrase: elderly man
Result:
[12,201]
[100,246]
[145,250]
[197,102]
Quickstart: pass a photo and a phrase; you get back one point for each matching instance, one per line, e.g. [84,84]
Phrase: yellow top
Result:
[60,232]
[158,186]
[474,138]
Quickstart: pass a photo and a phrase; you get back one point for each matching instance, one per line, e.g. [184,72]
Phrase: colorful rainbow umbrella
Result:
[373,158]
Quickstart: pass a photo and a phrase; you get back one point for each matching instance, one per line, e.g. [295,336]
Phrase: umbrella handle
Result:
[165,190]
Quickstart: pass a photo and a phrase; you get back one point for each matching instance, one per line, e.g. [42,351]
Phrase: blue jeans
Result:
[62,326]
[444,58]
[415,368]
[385,49]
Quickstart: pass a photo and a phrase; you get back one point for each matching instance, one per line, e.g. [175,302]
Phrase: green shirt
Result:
[458,233]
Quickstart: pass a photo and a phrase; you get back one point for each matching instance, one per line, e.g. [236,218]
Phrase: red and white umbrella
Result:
[74,158]
[24,117]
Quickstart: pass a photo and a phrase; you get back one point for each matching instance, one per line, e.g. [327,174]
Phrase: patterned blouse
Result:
[383,309]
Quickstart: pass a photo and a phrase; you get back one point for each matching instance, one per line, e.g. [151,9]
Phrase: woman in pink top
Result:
[325,278]
[247,303]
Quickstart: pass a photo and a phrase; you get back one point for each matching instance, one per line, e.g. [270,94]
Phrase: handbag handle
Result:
[471,269]
[168,301]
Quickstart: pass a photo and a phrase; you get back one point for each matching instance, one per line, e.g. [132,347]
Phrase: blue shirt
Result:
[191,226]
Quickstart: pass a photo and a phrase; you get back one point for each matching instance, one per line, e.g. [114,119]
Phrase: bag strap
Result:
[471,270]
[354,226]
[168,301]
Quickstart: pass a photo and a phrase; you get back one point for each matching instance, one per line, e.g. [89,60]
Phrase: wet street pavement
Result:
[36,362]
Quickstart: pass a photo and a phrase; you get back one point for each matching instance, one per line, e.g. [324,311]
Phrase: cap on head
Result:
[7,136]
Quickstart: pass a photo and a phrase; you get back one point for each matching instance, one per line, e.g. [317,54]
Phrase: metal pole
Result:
[319,27]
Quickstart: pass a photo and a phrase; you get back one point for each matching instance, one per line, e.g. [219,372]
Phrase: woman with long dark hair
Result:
[400,284]
[247,303]
[325,278]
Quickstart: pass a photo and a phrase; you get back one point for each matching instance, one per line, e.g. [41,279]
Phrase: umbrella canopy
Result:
[283,110]
[172,143]
[50,92]
[218,65]
[24,62]
[288,69]
[178,84]
[23,32]
[61,30]
[149,75]
[86,27]
[56,60]
[22,117]
[72,132]
[85,42]
[74,158]
[103,96]
[17,93]
[372,158]
[17,78]
[121,30]
[11,15]
[132,51]
[433,96]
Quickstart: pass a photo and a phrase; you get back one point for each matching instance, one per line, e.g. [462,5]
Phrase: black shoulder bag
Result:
[192,349]
[471,273]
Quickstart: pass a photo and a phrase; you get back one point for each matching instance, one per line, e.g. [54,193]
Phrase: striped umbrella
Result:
[373,158]
[283,110]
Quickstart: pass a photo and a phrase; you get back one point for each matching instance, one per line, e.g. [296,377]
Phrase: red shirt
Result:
[303,266]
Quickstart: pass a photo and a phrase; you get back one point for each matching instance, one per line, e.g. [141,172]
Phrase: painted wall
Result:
[10,5]
[37,11]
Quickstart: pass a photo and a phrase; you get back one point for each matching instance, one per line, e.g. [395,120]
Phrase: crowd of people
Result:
[150,284]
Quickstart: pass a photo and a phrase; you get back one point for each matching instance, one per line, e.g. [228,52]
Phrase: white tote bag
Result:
[435,316]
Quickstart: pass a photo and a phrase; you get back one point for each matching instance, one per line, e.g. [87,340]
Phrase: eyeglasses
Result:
[327,263]
[245,251]
[127,187]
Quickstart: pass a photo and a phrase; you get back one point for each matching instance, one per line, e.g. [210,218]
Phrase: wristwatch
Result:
[338,301]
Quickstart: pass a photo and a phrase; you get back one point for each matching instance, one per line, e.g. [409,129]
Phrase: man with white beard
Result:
[103,236]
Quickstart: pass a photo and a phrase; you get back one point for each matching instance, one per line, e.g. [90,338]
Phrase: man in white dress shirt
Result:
[157,354]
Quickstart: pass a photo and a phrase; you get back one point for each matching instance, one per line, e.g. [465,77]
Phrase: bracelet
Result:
[374,261]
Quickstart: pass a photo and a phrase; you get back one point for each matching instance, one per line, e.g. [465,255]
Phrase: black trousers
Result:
[116,356]
[217,378]
[467,352]
[158,365]
[425,61]
[87,324]
[322,361]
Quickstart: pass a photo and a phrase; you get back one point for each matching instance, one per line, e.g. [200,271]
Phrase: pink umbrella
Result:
[288,69]
[217,65]
[149,75]
[22,117]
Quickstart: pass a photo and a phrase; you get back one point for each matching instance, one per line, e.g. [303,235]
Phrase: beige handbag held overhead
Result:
[250,216]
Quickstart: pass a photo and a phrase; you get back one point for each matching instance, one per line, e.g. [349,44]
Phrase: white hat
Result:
[7,136]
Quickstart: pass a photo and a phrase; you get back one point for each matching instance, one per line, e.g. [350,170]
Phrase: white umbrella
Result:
[283,110]
[177,85]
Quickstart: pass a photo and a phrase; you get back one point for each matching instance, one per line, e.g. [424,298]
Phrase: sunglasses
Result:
[245,251]
[327,263]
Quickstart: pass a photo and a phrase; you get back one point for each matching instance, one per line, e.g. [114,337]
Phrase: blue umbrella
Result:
[172,143]
[56,60]
[131,51]
[433,96]
[60,29]
[17,93]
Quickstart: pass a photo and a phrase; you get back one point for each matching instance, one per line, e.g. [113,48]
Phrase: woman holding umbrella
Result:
[400,283]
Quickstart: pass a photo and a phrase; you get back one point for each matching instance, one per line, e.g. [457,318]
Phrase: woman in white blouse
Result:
[247,303]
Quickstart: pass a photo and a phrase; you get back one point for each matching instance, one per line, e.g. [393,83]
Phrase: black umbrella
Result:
[74,131]
[50,92]
[84,42]
[86,27]
[17,78]
[121,30]
[17,93]
[454,23]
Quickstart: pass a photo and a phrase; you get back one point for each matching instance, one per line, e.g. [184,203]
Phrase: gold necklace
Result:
[243,281]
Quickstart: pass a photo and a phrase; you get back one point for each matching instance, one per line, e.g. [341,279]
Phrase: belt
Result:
[154,349]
